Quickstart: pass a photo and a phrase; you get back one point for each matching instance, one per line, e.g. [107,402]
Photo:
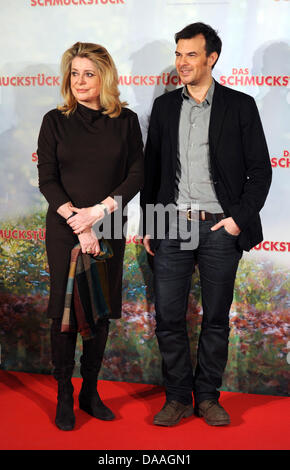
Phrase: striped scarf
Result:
[87,292]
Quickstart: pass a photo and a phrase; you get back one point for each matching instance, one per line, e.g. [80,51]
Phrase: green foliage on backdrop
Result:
[258,342]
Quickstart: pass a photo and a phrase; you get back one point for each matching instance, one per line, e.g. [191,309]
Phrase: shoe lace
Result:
[173,405]
[212,403]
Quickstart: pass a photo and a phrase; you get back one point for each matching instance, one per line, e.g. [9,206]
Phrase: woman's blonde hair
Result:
[109,93]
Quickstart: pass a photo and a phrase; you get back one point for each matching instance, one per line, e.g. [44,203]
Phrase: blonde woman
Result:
[89,151]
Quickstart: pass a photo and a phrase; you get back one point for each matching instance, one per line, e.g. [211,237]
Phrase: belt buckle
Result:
[191,215]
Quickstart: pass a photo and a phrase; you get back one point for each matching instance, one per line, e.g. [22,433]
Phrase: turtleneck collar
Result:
[89,114]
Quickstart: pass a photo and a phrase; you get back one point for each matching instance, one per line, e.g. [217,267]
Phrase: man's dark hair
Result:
[213,41]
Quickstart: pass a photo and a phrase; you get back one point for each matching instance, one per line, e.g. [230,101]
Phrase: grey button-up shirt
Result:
[193,179]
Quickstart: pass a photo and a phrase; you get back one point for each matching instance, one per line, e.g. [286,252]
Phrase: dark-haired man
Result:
[205,147]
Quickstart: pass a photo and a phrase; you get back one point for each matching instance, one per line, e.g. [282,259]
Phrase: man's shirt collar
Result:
[208,97]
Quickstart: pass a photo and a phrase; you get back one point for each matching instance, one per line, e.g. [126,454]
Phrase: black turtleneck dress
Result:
[85,158]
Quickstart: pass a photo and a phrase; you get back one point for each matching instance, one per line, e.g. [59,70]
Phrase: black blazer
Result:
[239,158]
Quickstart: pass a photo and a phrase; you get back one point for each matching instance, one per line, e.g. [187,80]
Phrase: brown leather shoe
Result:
[172,412]
[213,413]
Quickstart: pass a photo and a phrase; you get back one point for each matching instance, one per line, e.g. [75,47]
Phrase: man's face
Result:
[192,64]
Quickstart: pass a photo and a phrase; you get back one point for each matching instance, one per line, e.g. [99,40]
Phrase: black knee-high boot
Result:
[63,352]
[91,361]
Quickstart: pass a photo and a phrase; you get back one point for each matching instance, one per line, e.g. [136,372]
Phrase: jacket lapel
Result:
[174,126]
[217,115]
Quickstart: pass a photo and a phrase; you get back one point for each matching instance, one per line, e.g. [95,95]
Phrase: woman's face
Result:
[85,82]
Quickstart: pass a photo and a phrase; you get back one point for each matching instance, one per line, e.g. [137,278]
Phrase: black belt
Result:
[202,215]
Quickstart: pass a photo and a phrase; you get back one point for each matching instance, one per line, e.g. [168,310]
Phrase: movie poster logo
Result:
[276,246]
[39,234]
[40,79]
[239,77]
[281,162]
[150,80]
[60,3]
[242,77]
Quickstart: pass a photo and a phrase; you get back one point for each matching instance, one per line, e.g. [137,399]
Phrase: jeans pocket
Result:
[228,233]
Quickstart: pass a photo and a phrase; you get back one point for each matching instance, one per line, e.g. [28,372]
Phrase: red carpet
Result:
[27,410]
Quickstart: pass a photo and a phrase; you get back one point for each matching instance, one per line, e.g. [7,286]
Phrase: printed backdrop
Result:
[140,36]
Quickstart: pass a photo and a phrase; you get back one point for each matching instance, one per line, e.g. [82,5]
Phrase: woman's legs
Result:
[63,352]
[91,362]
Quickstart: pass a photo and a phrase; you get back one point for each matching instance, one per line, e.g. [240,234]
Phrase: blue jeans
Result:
[217,257]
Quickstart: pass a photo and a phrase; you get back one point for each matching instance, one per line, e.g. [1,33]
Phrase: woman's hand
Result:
[85,218]
[89,242]
[65,210]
